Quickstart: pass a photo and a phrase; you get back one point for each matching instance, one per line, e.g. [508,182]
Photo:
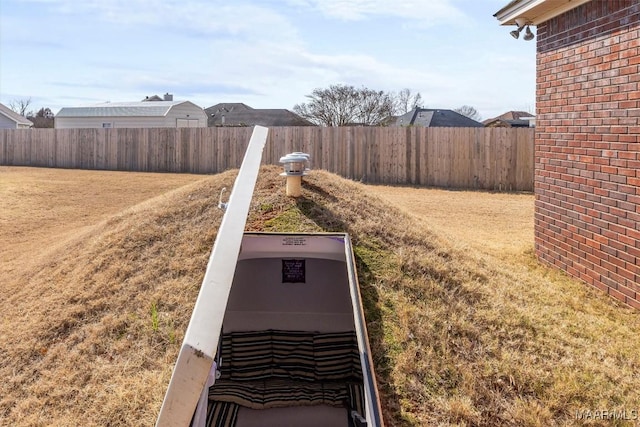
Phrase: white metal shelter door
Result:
[187,123]
[201,339]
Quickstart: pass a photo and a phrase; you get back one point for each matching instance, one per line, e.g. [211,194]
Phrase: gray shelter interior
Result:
[260,300]
[315,298]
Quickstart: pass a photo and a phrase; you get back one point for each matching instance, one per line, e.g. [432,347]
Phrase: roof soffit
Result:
[535,11]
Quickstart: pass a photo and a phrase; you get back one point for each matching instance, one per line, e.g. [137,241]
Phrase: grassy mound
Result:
[457,337]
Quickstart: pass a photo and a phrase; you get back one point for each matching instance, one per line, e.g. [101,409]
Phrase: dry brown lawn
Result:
[501,223]
[42,208]
[99,272]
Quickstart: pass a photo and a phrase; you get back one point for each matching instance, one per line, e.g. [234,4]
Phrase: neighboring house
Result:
[428,117]
[239,114]
[9,119]
[587,145]
[132,115]
[167,97]
[513,119]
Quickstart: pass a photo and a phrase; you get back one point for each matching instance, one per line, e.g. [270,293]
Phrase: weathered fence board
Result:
[483,158]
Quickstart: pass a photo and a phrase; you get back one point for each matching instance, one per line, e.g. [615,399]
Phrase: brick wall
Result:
[587,149]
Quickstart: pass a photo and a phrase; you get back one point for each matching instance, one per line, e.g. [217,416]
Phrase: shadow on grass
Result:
[322,216]
[320,191]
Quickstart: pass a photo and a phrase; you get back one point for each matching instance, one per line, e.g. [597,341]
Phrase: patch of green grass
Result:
[155,317]
[289,221]
[266,207]
[172,336]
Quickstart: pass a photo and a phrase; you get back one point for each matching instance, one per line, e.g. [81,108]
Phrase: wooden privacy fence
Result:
[483,158]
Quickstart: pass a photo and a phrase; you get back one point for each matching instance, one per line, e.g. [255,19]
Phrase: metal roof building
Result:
[143,114]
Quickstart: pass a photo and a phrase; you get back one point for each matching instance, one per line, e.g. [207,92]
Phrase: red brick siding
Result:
[587,150]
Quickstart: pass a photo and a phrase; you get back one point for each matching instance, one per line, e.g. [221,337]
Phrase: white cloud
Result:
[191,16]
[425,12]
[267,54]
[279,76]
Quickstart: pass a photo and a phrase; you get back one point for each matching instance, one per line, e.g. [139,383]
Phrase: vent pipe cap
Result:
[295,164]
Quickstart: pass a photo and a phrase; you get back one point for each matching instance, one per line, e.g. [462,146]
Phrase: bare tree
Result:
[340,105]
[42,119]
[20,106]
[374,107]
[405,101]
[469,111]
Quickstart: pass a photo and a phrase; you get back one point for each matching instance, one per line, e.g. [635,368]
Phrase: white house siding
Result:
[116,122]
[6,123]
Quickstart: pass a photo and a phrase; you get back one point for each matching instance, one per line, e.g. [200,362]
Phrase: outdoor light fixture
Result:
[516,33]
[521,23]
[528,35]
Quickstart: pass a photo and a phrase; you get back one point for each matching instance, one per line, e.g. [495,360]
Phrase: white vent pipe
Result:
[296,165]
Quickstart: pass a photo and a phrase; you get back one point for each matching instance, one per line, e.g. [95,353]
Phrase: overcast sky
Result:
[267,53]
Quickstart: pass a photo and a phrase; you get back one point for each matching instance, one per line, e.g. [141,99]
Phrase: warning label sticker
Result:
[294,241]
